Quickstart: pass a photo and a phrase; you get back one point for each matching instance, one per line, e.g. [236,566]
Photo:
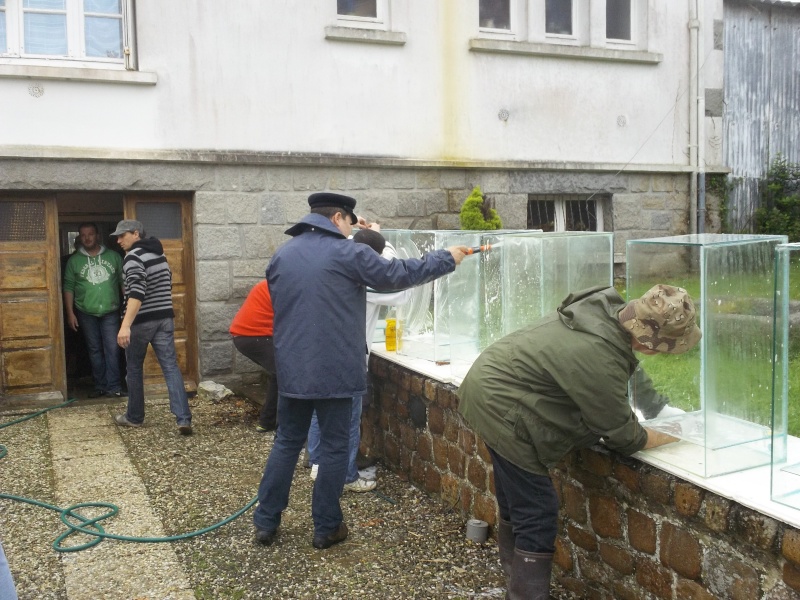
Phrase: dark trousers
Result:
[273,492]
[262,352]
[529,502]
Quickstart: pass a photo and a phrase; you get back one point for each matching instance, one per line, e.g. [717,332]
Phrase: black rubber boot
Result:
[530,576]
[505,543]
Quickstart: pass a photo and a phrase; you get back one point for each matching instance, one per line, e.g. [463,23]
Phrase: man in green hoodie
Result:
[556,386]
[92,286]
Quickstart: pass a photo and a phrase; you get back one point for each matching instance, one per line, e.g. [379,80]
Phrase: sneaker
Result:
[264,537]
[261,429]
[117,394]
[314,471]
[95,394]
[122,421]
[185,429]
[326,541]
[360,485]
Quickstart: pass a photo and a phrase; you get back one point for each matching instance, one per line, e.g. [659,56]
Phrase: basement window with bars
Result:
[565,212]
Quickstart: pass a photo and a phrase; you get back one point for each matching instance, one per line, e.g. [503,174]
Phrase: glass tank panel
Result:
[520,278]
[723,384]
[423,326]
[785,481]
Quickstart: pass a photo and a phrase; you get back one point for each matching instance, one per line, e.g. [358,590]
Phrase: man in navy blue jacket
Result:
[318,285]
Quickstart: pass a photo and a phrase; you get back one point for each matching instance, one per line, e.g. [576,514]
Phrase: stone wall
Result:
[627,530]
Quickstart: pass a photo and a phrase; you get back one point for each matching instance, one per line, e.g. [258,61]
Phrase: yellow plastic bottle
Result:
[391,335]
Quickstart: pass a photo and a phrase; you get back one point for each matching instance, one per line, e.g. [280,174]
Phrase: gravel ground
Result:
[402,543]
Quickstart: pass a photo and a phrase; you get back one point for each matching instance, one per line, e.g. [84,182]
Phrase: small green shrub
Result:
[779,213]
[476,214]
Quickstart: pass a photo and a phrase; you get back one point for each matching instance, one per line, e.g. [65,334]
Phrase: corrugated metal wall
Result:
[762,98]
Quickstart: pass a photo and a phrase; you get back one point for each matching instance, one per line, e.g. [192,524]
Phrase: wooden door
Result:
[169,218]
[32,370]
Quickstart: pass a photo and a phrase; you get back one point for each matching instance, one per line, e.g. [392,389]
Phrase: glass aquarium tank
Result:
[724,384]
[517,279]
[785,476]
[423,323]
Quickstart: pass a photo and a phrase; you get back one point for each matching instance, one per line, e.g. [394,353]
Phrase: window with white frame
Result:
[558,17]
[77,30]
[565,212]
[619,20]
[494,14]
[357,8]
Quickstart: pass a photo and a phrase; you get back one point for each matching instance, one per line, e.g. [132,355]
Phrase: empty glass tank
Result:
[521,277]
[786,389]
[724,384]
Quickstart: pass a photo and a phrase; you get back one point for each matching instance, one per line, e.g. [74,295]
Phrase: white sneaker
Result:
[314,471]
[360,485]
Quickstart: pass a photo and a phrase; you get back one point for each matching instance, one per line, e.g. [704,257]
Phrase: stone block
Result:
[790,545]
[716,511]
[262,242]
[394,179]
[453,179]
[688,499]
[493,182]
[574,502]
[450,489]
[241,208]
[605,515]
[583,538]
[513,210]
[485,508]
[213,280]
[663,182]
[279,179]
[273,209]
[209,208]
[451,427]
[216,357]
[596,462]
[562,557]
[653,201]
[656,487]
[213,320]
[654,578]
[757,529]
[312,179]
[427,179]
[448,222]
[627,476]
[661,221]
[618,558]
[377,206]
[456,460]
[690,590]
[250,268]
[466,440]
[295,206]
[639,183]
[441,452]
[641,531]
[681,552]
[791,576]
[425,447]
[727,576]
[627,215]
[217,242]
[476,474]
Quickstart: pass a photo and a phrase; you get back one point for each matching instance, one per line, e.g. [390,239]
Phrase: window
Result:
[494,14]
[77,30]
[558,17]
[618,20]
[357,8]
[565,212]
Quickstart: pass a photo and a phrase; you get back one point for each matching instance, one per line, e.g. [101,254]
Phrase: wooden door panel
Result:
[32,370]
[23,269]
[24,319]
[180,256]
[23,369]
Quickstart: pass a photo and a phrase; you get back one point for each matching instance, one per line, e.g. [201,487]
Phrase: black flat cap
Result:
[323,199]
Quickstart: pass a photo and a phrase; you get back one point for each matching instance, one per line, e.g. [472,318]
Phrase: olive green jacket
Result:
[557,385]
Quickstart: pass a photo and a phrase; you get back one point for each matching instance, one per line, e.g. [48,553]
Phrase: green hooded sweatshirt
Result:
[95,281]
[557,385]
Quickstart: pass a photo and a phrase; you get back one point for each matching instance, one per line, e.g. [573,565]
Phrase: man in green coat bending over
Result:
[556,386]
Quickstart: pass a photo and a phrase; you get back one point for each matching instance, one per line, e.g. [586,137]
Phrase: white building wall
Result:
[259,75]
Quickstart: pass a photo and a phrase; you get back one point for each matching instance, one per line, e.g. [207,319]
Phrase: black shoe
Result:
[95,394]
[117,394]
[326,541]
[265,428]
[264,537]
[185,429]
[365,462]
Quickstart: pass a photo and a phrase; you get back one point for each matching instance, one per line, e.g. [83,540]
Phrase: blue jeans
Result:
[529,502]
[352,447]
[7,591]
[294,417]
[100,334]
[161,334]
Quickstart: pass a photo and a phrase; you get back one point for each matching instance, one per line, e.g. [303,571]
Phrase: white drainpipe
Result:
[694,29]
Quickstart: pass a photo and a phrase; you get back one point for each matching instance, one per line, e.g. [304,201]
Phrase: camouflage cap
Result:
[664,320]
